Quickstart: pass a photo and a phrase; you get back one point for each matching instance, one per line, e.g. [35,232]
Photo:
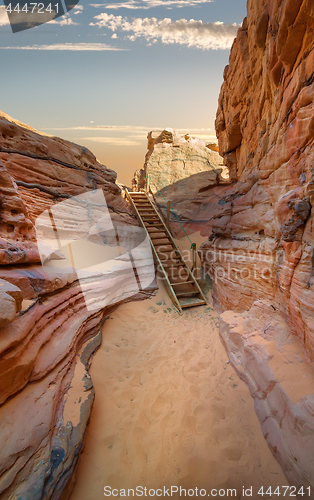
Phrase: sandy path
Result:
[169,409]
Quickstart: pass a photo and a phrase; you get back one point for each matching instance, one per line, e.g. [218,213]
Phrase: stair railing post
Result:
[147,184]
[168,215]
[194,259]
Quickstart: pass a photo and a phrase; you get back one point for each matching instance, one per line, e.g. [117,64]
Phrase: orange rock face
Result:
[265,131]
[49,328]
[262,242]
[38,171]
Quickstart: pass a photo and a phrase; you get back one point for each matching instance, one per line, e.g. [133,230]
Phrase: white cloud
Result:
[66,46]
[113,128]
[128,135]
[78,9]
[4,19]
[190,33]
[206,137]
[112,141]
[148,4]
[133,128]
[64,21]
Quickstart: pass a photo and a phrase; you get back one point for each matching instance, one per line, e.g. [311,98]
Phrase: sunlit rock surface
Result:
[186,171]
[50,316]
[262,245]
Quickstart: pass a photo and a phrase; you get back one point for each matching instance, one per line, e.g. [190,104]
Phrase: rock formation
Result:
[49,319]
[186,171]
[261,249]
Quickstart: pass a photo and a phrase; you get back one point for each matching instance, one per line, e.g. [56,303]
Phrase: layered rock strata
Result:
[186,171]
[51,315]
[261,247]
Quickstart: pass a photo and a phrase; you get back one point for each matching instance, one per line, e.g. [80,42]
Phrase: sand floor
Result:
[169,409]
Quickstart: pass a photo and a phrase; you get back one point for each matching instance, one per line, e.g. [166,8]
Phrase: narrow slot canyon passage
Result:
[169,409]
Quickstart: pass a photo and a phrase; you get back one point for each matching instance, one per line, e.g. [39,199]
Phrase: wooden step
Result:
[174,276]
[155,225]
[158,241]
[175,254]
[193,304]
[169,254]
[160,237]
[172,249]
[175,261]
[182,283]
[175,264]
[164,248]
[165,245]
[187,294]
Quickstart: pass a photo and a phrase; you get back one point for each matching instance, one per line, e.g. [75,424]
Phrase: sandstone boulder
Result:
[11,299]
[183,170]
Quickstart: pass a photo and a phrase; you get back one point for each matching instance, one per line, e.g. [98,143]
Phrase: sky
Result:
[106,73]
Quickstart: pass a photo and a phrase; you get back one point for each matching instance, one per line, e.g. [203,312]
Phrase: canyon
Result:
[253,204]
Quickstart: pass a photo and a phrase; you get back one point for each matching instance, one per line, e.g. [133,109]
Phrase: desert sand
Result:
[169,409]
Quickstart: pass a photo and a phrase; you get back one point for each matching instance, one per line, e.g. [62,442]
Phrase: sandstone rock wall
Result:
[37,171]
[265,134]
[172,157]
[186,171]
[47,333]
[261,249]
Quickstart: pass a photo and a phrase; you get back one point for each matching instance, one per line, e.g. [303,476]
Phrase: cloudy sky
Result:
[106,73]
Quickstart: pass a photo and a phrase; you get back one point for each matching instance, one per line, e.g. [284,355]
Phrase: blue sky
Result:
[106,73]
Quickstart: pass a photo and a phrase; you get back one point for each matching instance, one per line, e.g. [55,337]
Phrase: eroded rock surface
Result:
[49,319]
[186,171]
[262,246]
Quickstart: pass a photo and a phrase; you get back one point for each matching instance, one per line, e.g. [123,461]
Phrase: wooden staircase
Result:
[180,283]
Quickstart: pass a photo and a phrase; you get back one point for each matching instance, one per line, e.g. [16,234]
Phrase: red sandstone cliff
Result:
[47,334]
[261,250]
